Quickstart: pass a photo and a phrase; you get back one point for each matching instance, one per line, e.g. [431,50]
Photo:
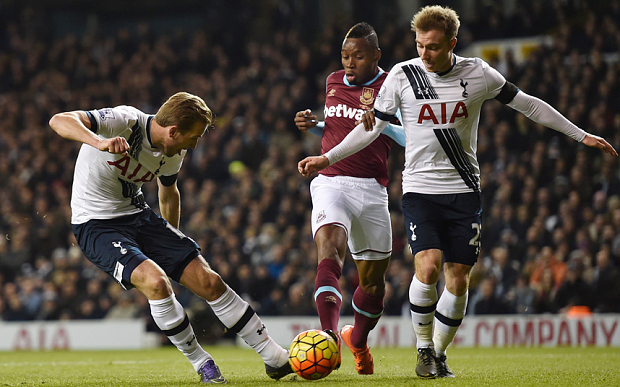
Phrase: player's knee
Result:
[457,285]
[212,284]
[428,272]
[157,287]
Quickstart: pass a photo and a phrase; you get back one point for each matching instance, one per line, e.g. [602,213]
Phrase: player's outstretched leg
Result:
[448,318]
[239,317]
[364,364]
[328,298]
[423,302]
[170,317]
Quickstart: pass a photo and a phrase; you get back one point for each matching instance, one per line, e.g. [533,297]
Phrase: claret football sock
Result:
[327,293]
[239,317]
[423,301]
[174,323]
[367,310]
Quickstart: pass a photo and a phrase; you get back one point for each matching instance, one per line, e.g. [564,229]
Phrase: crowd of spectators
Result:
[551,228]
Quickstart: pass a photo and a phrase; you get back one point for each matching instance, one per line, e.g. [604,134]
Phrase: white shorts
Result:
[360,207]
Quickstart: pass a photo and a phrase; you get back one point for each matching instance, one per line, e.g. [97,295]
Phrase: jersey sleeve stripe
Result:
[94,127]
[384,116]
[451,144]
[507,94]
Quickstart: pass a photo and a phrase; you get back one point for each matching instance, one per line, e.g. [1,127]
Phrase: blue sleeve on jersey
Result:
[318,129]
[396,133]
[93,122]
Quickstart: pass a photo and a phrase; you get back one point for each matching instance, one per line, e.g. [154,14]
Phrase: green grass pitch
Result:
[504,367]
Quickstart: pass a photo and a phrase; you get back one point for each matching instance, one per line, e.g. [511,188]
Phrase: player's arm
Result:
[76,126]
[541,112]
[169,199]
[355,141]
[393,131]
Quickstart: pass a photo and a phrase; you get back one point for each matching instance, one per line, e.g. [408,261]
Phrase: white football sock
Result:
[239,317]
[448,318]
[423,300]
[174,323]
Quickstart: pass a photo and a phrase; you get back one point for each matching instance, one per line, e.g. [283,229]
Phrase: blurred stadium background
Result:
[551,230]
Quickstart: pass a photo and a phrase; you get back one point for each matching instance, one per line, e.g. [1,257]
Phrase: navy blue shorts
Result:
[450,223]
[117,246]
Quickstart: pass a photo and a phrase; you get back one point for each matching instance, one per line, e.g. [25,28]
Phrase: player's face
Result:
[360,60]
[435,49]
[181,141]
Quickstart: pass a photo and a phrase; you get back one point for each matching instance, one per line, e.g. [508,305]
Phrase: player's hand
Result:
[116,145]
[368,119]
[305,120]
[599,142]
[312,164]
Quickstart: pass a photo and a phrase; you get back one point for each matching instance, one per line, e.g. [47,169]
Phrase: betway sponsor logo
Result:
[342,110]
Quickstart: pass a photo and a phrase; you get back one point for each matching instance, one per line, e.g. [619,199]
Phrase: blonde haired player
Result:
[123,148]
[440,95]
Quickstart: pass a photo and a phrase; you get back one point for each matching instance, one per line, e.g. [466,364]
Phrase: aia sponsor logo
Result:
[442,113]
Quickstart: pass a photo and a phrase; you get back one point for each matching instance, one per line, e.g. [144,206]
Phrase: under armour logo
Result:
[464,85]
[260,331]
[118,244]
[191,340]
[412,228]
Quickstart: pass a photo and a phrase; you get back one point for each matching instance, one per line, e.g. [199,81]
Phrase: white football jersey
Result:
[440,116]
[107,185]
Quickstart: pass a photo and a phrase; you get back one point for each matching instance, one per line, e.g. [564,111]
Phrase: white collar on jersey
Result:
[344,78]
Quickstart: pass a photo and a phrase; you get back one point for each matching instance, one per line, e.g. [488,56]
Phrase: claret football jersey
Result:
[344,105]
[440,115]
[107,185]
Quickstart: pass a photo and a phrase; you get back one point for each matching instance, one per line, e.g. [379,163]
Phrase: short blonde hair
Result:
[436,17]
[184,110]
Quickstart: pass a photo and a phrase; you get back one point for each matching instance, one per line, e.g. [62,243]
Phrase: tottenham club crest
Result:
[368,96]
[464,86]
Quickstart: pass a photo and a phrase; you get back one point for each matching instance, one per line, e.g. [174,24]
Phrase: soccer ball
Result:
[313,354]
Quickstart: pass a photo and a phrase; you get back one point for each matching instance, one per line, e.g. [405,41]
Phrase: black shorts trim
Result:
[178,272]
